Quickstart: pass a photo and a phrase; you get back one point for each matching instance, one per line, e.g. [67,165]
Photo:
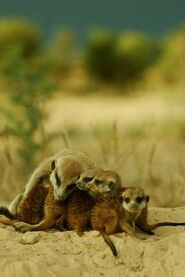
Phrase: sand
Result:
[54,253]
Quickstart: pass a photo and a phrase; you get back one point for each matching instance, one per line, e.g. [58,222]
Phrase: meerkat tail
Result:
[160,224]
[5,211]
[109,242]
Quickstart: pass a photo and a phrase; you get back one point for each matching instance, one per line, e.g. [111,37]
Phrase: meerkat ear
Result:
[147,198]
[122,189]
[53,164]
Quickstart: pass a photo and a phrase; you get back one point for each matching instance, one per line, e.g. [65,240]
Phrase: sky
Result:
[151,16]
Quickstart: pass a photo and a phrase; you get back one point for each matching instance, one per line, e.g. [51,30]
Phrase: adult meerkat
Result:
[60,172]
[63,169]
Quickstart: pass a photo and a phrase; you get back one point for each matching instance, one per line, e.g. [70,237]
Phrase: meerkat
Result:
[112,213]
[99,187]
[63,169]
[135,208]
[61,172]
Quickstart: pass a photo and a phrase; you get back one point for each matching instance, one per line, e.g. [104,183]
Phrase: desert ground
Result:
[53,253]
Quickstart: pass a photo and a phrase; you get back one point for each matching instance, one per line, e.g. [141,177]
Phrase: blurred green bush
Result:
[28,86]
[18,33]
[100,55]
[122,58]
[134,53]
[171,66]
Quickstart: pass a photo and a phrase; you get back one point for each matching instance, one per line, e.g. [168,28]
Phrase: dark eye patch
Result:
[127,199]
[57,180]
[97,182]
[139,199]
[121,198]
[111,185]
[87,179]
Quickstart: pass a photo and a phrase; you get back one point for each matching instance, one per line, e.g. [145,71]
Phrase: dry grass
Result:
[142,138]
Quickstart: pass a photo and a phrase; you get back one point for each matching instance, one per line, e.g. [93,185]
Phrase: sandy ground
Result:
[64,254]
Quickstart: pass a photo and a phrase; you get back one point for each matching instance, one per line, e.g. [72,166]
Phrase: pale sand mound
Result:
[63,254]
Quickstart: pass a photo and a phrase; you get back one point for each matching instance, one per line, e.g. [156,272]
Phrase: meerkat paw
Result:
[23,227]
[80,233]
[151,233]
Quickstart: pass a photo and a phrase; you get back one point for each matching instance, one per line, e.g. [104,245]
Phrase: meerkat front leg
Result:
[128,228]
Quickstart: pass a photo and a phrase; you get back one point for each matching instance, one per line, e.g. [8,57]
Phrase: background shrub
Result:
[100,55]
[17,33]
[27,85]
[172,63]
[122,58]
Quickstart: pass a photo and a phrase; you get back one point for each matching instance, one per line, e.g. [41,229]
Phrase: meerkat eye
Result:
[97,182]
[87,179]
[139,199]
[127,199]
[111,185]
[57,180]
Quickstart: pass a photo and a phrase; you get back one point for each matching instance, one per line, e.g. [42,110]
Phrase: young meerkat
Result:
[98,182]
[121,210]
[135,208]
[84,211]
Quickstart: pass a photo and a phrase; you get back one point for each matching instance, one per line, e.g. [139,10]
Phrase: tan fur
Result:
[69,164]
[97,182]
[100,211]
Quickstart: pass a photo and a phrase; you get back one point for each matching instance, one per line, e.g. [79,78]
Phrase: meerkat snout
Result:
[65,173]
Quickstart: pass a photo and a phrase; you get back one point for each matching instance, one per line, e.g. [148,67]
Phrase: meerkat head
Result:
[86,178]
[65,173]
[98,182]
[107,182]
[134,199]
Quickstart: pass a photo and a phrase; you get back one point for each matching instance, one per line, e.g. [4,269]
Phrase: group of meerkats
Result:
[69,192]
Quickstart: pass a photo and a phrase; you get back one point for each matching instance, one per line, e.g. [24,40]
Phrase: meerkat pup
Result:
[121,210]
[135,208]
[98,181]
[86,208]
